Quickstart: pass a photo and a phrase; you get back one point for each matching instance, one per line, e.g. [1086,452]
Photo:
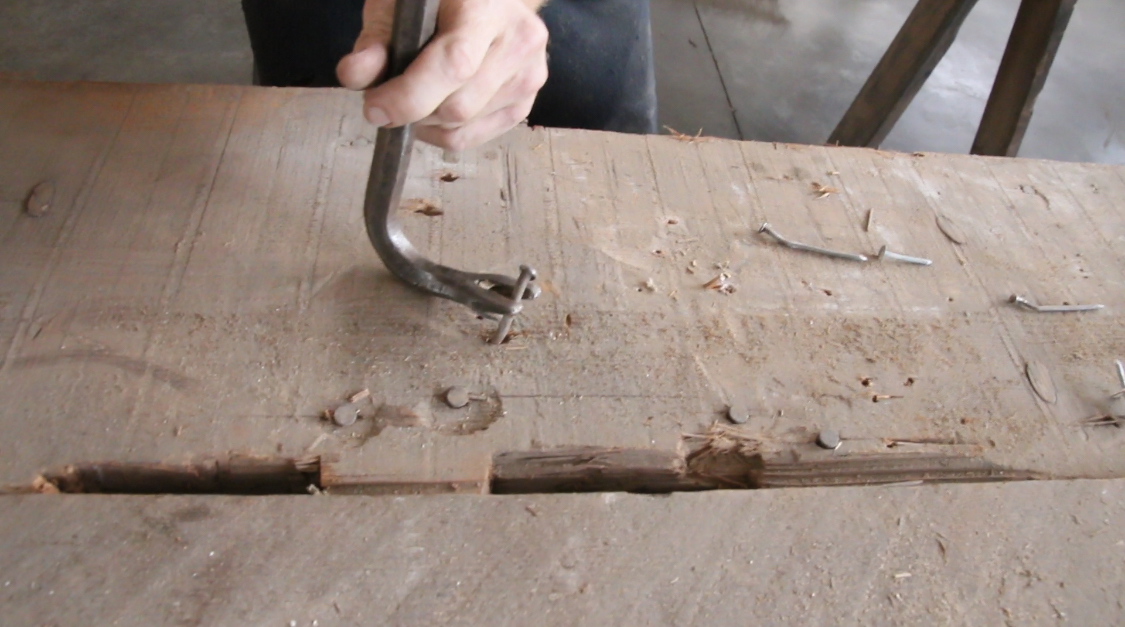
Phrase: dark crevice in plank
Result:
[232,475]
[594,469]
[564,470]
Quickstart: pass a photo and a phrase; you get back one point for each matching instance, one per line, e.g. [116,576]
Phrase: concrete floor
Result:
[787,68]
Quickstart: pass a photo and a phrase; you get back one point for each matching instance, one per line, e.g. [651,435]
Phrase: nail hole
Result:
[909,381]
[865,382]
[568,320]
[827,292]
[449,177]
[673,221]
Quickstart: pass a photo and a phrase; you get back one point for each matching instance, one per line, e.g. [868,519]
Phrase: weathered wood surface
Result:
[1036,36]
[918,47]
[1033,553]
[202,284]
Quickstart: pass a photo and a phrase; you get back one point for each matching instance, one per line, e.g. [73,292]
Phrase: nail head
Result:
[345,415]
[828,439]
[738,414]
[457,397]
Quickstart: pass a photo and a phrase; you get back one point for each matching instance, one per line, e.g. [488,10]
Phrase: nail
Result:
[828,439]
[345,415]
[377,116]
[526,276]
[457,397]
[768,230]
[738,413]
[918,261]
[1027,304]
[1120,378]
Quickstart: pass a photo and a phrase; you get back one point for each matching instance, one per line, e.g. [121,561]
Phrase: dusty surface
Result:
[1039,553]
[203,284]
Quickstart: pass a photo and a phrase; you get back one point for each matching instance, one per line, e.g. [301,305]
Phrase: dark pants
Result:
[599,56]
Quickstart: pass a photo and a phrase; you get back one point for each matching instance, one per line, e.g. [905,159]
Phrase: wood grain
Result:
[203,286]
[1036,36]
[1023,552]
[916,50]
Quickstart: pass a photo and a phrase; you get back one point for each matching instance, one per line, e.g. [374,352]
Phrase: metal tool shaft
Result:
[487,294]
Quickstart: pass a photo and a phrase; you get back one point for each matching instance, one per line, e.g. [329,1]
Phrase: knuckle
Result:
[457,59]
[533,34]
[456,110]
[457,140]
[531,82]
[520,112]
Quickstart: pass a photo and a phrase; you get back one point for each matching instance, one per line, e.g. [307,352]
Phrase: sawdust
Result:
[721,284]
[423,207]
[684,137]
[823,191]
[723,452]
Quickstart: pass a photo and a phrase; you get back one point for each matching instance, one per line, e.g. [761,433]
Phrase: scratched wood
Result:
[1024,553]
[203,284]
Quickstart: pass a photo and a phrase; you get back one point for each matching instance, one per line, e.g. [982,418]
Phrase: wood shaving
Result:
[878,398]
[720,284]
[870,219]
[691,139]
[422,206]
[359,396]
[649,285]
[823,191]
[721,441]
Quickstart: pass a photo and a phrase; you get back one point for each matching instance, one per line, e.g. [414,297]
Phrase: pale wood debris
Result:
[684,137]
[823,191]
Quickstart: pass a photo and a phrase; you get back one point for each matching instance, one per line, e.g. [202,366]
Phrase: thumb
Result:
[368,60]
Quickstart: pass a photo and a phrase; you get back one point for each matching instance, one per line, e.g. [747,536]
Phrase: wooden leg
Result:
[1035,38]
[908,62]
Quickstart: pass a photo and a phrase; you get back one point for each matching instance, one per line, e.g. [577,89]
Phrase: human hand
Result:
[476,79]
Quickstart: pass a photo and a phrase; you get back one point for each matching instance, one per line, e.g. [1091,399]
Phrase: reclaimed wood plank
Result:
[216,293]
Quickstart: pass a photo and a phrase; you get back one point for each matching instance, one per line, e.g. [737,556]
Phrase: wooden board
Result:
[1025,553]
[203,284]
